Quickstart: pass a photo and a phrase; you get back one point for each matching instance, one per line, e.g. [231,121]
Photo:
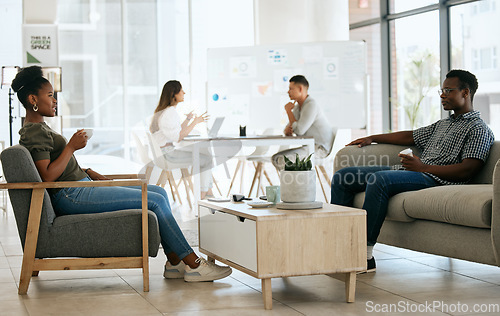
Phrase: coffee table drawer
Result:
[231,237]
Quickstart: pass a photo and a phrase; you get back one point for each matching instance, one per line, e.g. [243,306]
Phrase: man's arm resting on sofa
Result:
[396,138]
[459,172]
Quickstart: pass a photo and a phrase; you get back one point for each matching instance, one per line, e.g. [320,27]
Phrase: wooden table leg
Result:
[350,286]
[210,259]
[267,293]
[31,240]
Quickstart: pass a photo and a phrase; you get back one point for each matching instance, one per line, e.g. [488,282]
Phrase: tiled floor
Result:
[405,281]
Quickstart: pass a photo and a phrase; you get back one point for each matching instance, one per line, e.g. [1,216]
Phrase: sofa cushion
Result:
[395,211]
[466,205]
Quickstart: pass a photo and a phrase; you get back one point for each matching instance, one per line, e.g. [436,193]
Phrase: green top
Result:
[43,143]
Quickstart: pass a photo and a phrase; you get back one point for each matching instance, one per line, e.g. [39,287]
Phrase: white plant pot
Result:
[298,186]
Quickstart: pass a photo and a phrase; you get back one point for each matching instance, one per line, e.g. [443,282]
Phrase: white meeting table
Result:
[204,142]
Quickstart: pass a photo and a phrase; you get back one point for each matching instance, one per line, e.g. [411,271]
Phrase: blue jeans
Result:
[380,184]
[70,201]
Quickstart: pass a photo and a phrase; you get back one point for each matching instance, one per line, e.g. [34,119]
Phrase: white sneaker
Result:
[174,272]
[206,271]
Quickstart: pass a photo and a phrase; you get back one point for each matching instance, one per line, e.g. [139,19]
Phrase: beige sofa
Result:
[457,221]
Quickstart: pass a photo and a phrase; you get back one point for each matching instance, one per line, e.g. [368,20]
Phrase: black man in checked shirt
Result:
[453,150]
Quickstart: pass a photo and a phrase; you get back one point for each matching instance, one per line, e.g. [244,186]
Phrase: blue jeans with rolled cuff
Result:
[69,201]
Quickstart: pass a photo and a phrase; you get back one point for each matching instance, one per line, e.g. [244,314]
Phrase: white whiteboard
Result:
[248,85]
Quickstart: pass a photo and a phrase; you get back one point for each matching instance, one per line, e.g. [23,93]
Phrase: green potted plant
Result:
[298,181]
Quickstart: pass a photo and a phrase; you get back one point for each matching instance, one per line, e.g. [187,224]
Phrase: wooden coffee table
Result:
[272,243]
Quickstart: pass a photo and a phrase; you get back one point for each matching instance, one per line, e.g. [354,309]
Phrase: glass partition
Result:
[371,35]
[415,71]
[475,49]
[117,55]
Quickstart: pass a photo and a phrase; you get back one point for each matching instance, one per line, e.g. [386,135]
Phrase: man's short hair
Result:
[300,80]
[467,80]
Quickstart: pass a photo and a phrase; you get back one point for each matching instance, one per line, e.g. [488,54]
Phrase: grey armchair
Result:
[120,239]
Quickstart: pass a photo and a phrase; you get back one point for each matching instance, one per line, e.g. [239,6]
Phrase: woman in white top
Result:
[168,130]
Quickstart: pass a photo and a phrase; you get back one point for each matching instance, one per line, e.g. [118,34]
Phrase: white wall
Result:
[40,11]
[11,20]
[10,55]
[295,21]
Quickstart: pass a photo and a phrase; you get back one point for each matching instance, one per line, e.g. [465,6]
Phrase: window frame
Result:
[444,46]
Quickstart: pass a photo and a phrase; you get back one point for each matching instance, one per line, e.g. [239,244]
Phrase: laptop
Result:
[212,133]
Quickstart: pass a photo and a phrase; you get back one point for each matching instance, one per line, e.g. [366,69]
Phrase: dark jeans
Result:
[379,183]
[107,199]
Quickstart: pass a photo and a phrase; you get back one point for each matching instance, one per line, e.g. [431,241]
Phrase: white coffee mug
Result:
[89,132]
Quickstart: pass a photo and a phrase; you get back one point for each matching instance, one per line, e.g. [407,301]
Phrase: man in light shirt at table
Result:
[305,119]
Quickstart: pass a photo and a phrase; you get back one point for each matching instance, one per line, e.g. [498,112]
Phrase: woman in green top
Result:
[54,159]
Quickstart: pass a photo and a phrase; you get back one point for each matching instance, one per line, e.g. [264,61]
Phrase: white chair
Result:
[144,157]
[259,162]
[319,165]
[259,157]
[167,168]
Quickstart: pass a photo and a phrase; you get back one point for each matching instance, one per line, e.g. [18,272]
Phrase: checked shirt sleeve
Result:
[422,135]
[478,143]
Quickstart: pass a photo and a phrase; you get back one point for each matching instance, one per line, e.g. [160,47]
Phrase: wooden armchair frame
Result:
[31,265]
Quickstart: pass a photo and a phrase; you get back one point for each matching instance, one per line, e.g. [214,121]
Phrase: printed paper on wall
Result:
[40,45]
[331,67]
[243,67]
[262,89]
[277,57]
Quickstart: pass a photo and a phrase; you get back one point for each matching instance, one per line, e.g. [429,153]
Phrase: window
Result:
[371,35]
[11,19]
[76,11]
[415,73]
[405,5]
[474,49]
[360,10]
[117,55]
[211,31]
[415,54]
[484,6]
[92,62]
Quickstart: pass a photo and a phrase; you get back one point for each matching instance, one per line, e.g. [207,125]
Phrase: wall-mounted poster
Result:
[282,76]
[243,67]
[277,57]
[262,89]
[331,68]
[40,45]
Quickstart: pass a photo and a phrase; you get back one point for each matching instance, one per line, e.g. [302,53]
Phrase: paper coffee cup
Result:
[407,151]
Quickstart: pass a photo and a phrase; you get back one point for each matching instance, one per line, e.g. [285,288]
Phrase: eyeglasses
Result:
[446,91]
